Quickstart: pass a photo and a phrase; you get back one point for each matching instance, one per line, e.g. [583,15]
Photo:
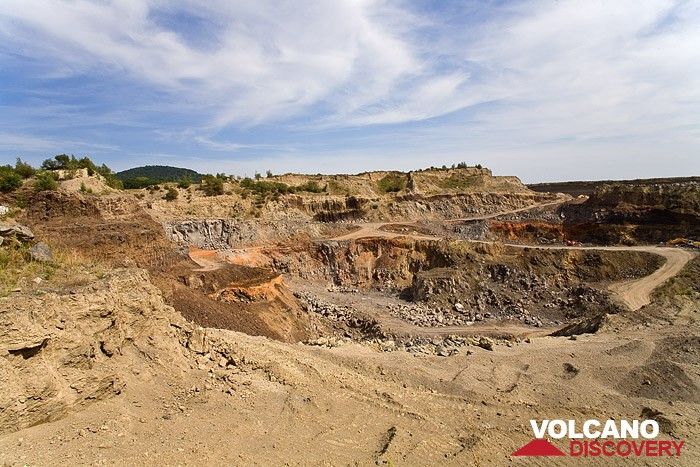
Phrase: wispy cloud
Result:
[23,142]
[276,78]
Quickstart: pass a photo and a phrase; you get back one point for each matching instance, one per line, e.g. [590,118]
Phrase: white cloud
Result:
[269,60]
[24,142]
[541,75]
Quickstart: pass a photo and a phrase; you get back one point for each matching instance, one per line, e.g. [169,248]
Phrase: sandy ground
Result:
[356,406]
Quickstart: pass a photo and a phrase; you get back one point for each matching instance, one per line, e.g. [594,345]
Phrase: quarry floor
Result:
[353,405]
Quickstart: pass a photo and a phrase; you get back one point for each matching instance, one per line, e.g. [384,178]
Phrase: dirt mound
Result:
[246,299]
[80,181]
[678,349]
[660,380]
[63,350]
[112,228]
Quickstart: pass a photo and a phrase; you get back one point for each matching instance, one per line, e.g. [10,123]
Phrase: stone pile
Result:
[313,304]
[441,346]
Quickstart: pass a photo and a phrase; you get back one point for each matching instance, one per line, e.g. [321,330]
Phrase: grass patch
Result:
[392,183]
[459,181]
[68,269]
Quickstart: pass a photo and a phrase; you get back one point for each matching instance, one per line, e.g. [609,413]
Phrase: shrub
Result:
[45,181]
[212,186]
[264,187]
[184,182]
[9,179]
[139,182]
[311,186]
[110,179]
[391,183]
[85,189]
[21,201]
[461,182]
[23,169]
[171,194]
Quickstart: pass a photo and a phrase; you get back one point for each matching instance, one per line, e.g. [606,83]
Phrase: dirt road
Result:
[374,229]
[633,293]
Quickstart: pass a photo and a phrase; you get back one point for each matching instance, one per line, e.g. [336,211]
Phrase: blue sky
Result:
[545,90]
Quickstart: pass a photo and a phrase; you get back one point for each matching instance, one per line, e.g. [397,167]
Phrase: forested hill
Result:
[140,177]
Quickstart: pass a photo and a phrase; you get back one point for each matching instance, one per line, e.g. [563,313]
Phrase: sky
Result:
[545,90]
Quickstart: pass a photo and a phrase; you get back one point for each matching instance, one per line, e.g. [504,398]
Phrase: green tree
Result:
[45,181]
[51,164]
[9,179]
[23,169]
[212,186]
[268,174]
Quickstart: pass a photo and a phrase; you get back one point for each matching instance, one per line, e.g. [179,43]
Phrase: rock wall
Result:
[223,234]
[626,213]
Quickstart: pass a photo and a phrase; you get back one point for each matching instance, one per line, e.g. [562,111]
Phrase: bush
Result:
[458,181]
[45,181]
[212,186]
[9,179]
[276,189]
[392,183]
[139,182]
[23,169]
[263,187]
[85,189]
[184,182]
[310,186]
[171,194]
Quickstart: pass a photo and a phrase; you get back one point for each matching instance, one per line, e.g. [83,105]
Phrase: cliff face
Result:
[630,213]
[223,234]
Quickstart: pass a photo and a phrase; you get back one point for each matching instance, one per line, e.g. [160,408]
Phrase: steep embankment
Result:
[627,213]
[116,230]
[64,350]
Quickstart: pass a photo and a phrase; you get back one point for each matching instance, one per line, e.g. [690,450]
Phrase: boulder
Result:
[197,341]
[20,232]
[41,252]
[485,343]
[4,210]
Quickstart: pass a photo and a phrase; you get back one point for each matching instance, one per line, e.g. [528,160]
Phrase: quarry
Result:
[382,318]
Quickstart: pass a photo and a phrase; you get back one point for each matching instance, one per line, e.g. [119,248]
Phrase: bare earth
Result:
[244,400]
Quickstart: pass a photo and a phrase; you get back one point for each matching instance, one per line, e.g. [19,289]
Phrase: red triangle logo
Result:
[538,447]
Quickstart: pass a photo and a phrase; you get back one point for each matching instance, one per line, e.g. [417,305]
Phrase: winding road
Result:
[633,293]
